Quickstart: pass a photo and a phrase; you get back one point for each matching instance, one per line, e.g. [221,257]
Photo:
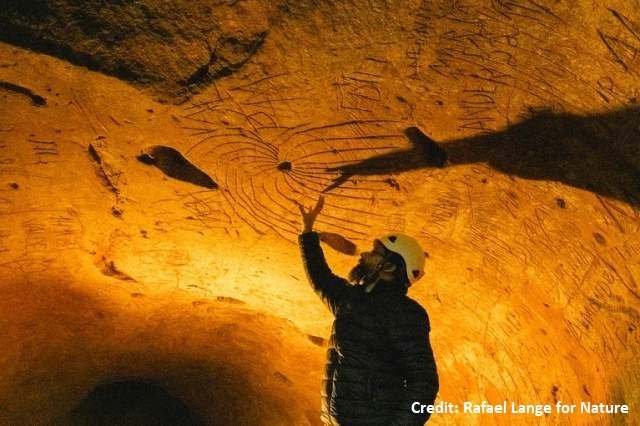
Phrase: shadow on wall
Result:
[599,153]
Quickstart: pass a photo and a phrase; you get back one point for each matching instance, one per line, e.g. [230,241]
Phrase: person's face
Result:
[367,263]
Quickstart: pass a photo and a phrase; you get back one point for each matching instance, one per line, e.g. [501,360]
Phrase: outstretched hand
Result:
[309,216]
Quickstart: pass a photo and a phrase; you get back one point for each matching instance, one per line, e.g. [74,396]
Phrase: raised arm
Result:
[328,286]
[331,288]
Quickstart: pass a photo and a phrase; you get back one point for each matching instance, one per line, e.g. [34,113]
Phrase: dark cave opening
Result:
[129,403]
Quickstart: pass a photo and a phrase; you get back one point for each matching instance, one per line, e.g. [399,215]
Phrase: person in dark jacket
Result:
[379,362]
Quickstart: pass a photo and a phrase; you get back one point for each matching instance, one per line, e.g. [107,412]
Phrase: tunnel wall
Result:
[124,219]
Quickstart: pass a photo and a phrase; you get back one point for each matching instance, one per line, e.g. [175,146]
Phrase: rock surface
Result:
[175,48]
[112,270]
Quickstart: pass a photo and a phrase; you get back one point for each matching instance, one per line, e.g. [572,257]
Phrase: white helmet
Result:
[410,251]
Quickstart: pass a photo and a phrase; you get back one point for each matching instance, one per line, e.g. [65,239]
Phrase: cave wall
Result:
[157,240]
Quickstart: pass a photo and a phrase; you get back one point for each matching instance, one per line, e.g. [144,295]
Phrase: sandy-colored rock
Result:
[503,135]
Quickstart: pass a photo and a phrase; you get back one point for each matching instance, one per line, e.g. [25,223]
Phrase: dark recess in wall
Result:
[129,403]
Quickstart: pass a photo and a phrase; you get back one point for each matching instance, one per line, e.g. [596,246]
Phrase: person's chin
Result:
[356,274]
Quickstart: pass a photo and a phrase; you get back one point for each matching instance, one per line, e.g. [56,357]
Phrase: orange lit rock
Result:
[525,194]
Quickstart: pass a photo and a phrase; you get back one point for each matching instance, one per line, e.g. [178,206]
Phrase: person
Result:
[379,361]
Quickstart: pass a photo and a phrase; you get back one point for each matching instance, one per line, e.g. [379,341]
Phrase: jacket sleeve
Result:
[415,356]
[329,287]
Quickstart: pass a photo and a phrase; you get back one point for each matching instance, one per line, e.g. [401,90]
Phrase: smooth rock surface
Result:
[112,270]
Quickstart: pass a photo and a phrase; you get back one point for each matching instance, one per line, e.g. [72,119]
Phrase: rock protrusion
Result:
[173,164]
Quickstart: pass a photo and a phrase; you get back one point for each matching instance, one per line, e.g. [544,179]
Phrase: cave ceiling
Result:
[151,158]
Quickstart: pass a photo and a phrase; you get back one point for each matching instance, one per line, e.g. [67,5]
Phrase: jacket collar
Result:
[388,289]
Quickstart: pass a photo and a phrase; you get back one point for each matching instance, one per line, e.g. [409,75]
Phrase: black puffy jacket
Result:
[379,360]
